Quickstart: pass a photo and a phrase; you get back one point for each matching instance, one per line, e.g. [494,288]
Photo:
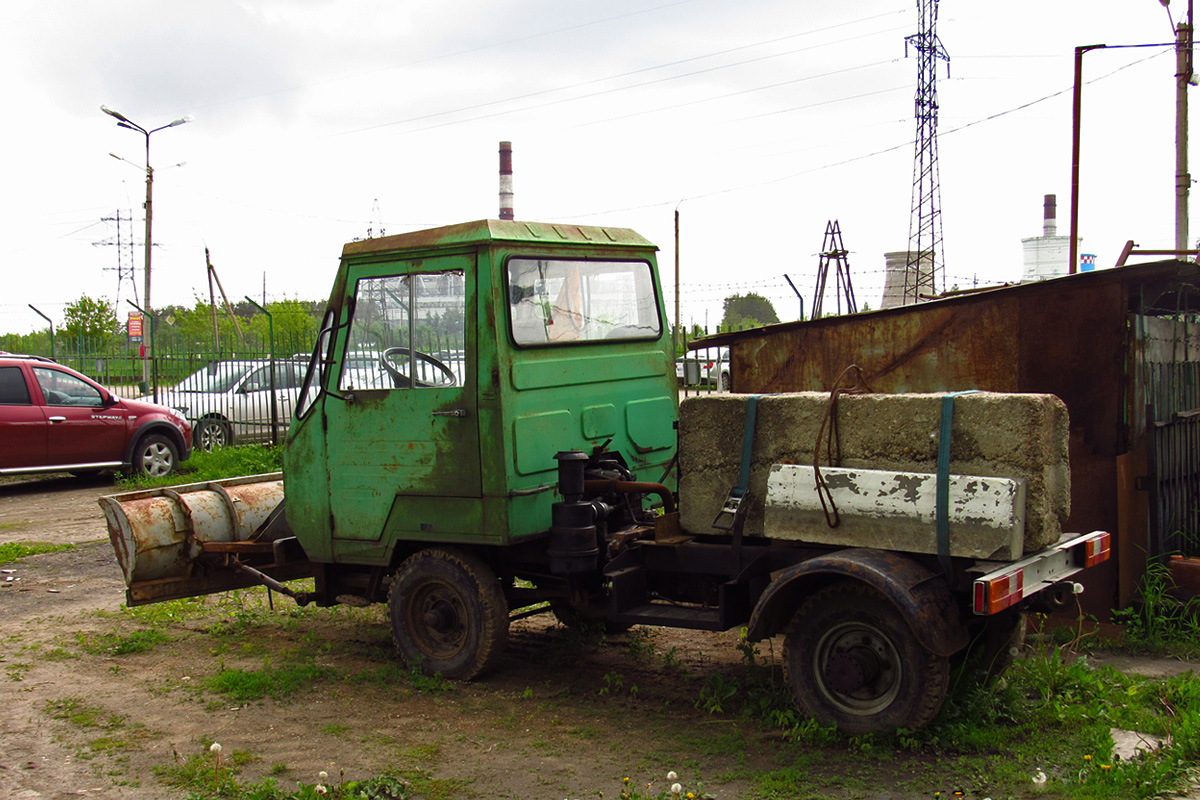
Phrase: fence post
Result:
[274,398]
[154,366]
[43,316]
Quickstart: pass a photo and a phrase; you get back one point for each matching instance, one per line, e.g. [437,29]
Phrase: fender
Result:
[922,597]
[157,426]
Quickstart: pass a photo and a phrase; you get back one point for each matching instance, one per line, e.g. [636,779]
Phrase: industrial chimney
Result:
[1046,256]
[506,185]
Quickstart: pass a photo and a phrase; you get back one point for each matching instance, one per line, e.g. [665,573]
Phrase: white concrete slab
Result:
[897,511]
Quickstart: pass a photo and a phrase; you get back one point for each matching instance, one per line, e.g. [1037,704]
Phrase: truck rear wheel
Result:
[448,613]
[851,659]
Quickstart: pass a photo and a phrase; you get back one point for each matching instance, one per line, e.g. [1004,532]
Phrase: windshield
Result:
[558,301]
[220,377]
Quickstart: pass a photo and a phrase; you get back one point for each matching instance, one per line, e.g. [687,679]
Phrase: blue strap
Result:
[747,445]
[943,480]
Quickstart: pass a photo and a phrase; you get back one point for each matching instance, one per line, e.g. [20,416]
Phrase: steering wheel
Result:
[396,368]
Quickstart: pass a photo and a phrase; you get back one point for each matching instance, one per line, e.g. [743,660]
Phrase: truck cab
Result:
[453,364]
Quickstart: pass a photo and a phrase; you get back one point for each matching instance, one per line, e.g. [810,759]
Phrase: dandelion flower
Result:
[1106,767]
[321,789]
[215,747]
[323,775]
[671,775]
[676,789]
[1039,779]
[625,780]
[1087,758]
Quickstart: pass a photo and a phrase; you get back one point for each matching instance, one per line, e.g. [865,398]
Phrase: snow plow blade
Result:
[195,539]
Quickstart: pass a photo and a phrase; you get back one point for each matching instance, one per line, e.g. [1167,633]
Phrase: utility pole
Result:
[833,251]
[1183,79]
[675,336]
[925,268]
[124,269]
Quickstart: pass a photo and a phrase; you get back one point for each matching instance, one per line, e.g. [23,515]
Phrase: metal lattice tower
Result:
[925,271]
[125,261]
[833,251]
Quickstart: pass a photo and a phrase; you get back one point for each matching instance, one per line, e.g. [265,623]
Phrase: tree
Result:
[748,311]
[90,319]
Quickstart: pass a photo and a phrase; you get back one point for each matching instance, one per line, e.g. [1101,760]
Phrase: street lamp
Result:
[125,122]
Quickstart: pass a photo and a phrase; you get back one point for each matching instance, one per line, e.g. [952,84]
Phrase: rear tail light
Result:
[1012,583]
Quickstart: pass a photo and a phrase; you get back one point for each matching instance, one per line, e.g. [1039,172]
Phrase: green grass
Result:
[11,551]
[224,462]
[278,683]
[113,644]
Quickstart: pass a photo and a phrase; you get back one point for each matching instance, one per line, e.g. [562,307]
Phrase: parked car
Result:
[229,402]
[53,419]
[712,369]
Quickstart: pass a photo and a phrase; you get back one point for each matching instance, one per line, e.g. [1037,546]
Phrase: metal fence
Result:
[235,392]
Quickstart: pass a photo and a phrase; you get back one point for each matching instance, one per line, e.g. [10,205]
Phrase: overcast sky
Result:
[761,120]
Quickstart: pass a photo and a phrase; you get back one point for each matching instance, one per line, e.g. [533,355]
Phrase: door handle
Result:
[453,412]
[58,419]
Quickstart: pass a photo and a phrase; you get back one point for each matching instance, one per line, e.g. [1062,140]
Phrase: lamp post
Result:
[1182,180]
[1076,118]
[125,122]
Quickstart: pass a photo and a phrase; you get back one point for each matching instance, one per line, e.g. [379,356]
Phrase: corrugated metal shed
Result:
[1098,340]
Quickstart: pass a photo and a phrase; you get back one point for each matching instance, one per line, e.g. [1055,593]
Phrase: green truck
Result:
[488,429]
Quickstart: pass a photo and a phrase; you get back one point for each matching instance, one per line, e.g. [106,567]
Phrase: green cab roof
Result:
[496,230]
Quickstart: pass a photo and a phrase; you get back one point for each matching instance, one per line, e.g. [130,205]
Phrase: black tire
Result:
[851,660]
[155,456]
[210,434]
[725,384]
[448,614]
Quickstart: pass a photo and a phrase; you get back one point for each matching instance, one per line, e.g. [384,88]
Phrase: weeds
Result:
[1161,622]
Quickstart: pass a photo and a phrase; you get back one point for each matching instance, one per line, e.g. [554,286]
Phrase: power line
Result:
[854,159]
[618,76]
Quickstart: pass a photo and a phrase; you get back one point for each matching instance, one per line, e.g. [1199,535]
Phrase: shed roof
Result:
[1163,287]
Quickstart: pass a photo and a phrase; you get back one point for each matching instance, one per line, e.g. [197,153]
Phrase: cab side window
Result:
[13,391]
[408,332]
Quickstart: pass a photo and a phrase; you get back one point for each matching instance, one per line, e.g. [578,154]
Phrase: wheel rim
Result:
[437,619]
[857,668]
[212,434]
[157,460]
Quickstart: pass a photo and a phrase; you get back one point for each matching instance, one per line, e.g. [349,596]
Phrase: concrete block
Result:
[897,511]
[1019,436]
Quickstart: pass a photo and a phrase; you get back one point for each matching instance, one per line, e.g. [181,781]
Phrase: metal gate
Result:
[1172,393]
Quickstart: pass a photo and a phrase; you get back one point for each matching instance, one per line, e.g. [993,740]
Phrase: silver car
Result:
[230,402]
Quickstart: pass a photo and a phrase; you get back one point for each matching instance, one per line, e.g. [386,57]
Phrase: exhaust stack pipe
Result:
[506,184]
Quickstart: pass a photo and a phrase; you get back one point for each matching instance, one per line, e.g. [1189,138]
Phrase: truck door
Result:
[407,425]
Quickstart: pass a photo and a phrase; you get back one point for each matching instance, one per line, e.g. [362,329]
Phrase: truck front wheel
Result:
[852,660]
[448,613]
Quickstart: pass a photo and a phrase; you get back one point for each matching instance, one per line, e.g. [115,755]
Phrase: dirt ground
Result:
[564,716]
